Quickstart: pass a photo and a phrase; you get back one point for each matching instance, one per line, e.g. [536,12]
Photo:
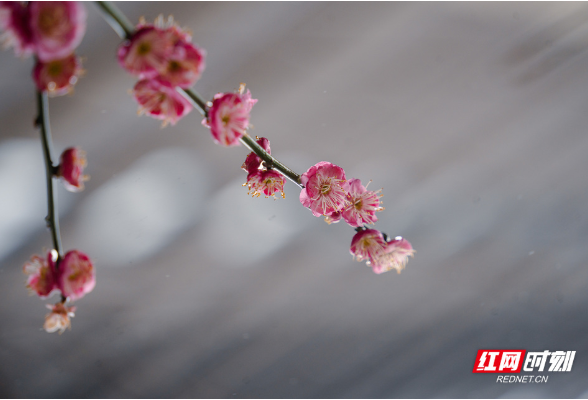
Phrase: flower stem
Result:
[52,212]
[116,19]
[125,29]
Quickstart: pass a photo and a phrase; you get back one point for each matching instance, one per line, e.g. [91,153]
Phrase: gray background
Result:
[471,116]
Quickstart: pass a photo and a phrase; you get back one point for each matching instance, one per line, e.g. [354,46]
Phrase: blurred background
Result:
[471,116]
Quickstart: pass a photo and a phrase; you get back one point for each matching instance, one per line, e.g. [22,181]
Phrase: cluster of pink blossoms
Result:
[51,31]
[73,276]
[328,193]
[164,58]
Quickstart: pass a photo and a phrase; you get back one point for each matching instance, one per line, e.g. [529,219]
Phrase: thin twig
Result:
[123,27]
[52,212]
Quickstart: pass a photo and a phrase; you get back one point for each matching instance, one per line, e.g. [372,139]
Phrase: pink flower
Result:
[57,28]
[14,21]
[183,67]
[325,189]
[362,206]
[42,278]
[71,169]
[367,245]
[76,275]
[265,182]
[228,117]
[164,52]
[395,256]
[145,54]
[57,77]
[160,101]
[253,162]
[59,318]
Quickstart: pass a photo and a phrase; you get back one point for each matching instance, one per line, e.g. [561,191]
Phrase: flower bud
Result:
[71,169]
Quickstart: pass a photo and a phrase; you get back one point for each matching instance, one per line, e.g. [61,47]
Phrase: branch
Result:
[52,213]
[123,27]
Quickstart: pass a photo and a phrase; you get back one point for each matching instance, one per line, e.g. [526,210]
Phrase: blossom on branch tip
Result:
[59,318]
[395,256]
[42,278]
[57,27]
[362,205]
[57,77]
[265,182]
[77,276]
[71,169]
[228,116]
[325,190]
[14,21]
[160,101]
[382,256]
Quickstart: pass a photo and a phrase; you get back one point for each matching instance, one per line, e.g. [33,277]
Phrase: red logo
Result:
[499,361]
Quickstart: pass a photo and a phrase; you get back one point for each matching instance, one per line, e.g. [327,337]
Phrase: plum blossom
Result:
[381,255]
[14,21]
[362,205]
[57,28]
[57,77]
[325,190]
[228,116]
[42,278]
[395,256]
[333,218]
[265,182]
[77,276]
[71,169]
[160,101]
[59,318]
[367,244]
[164,52]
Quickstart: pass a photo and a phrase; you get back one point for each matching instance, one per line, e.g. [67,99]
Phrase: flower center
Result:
[53,21]
[358,205]
[143,48]
[174,66]
[325,188]
[54,68]
[225,119]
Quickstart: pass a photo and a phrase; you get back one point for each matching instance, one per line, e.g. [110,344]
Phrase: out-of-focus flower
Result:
[76,275]
[57,77]
[71,169]
[228,117]
[395,256]
[164,52]
[57,28]
[325,190]
[253,162]
[145,53]
[160,101]
[265,182]
[42,278]
[362,205]
[14,21]
[59,318]
[367,244]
